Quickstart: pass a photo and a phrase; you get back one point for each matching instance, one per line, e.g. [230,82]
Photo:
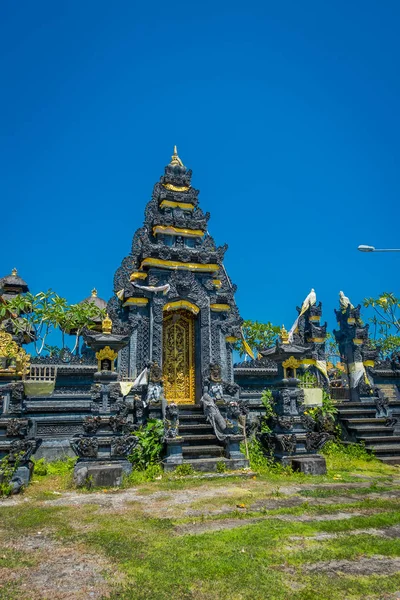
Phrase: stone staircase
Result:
[379,432]
[200,447]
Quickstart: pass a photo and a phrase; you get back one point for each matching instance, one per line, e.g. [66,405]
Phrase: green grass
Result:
[264,559]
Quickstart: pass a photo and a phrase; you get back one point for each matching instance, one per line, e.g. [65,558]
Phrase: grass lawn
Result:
[275,536]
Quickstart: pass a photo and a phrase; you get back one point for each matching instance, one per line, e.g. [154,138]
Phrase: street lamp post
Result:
[363,248]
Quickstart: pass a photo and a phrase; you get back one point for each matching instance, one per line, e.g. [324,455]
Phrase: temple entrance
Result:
[178,357]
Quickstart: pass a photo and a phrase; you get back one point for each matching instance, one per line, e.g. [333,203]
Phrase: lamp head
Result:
[363,248]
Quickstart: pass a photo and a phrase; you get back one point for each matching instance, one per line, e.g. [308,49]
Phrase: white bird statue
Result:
[344,301]
[310,300]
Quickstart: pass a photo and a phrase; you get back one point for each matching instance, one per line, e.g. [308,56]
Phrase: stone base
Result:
[174,454]
[207,465]
[52,450]
[101,473]
[314,464]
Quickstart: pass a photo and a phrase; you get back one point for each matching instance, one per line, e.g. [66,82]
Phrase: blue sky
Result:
[287,112]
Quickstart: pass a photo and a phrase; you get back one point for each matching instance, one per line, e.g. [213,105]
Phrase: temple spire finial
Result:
[175,160]
[94,293]
[14,272]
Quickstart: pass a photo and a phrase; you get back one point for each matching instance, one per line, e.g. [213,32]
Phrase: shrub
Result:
[148,450]
[40,467]
[221,466]
[63,466]
[269,405]
[184,469]
[7,470]
[261,462]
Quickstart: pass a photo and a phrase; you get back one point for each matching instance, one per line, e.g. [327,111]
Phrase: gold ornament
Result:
[106,354]
[13,353]
[106,325]
[284,335]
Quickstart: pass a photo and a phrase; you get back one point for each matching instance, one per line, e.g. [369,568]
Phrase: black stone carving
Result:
[91,424]
[171,421]
[288,443]
[16,427]
[85,447]
[122,446]
[22,450]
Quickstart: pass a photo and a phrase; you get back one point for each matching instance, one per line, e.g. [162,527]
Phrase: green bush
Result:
[221,466]
[40,467]
[152,473]
[64,466]
[261,462]
[269,405]
[7,470]
[148,450]
[184,469]
[348,451]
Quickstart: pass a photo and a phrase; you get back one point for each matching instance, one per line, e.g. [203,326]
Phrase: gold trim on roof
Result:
[358,342]
[182,304]
[106,353]
[369,363]
[231,339]
[169,229]
[176,188]
[217,283]
[136,301]
[138,275]
[220,307]
[173,204]
[175,265]
[315,318]
[291,363]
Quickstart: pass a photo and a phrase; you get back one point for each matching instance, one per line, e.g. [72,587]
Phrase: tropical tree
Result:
[258,336]
[385,322]
[39,315]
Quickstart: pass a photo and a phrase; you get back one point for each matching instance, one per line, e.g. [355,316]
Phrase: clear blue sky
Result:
[287,112]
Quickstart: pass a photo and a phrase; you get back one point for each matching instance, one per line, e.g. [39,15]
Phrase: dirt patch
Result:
[339,516]
[61,572]
[374,565]
[209,526]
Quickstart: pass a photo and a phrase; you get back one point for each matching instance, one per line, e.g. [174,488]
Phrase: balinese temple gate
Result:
[173,293]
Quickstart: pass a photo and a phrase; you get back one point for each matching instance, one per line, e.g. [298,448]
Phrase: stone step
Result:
[199,438]
[372,431]
[194,428]
[188,409]
[366,421]
[192,420]
[389,449]
[349,404]
[357,412]
[56,406]
[210,464]
[390,460]
[208,451]
[379,440]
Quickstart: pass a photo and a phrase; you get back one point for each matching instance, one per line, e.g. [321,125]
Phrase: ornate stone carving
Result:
[171,421]
[122,446]
[22,450]
[16,427]
[85,447]
[91,424]
[288,443]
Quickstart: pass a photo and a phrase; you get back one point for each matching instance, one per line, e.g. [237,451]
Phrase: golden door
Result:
[178,357]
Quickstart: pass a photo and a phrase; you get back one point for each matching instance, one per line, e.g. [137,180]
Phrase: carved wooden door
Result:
[178,357]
